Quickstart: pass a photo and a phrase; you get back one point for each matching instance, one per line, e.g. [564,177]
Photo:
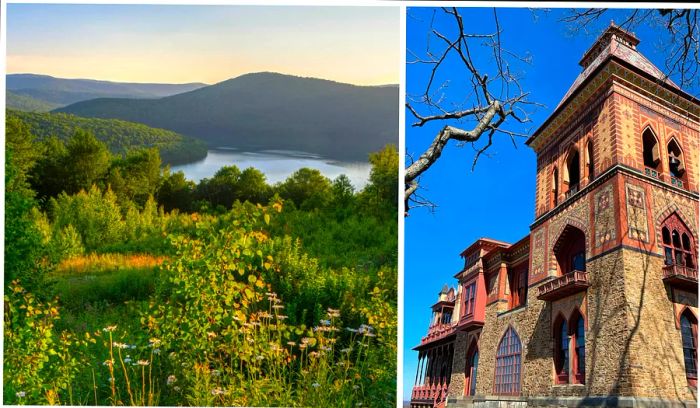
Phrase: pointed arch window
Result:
[689,332]
[678,243]
[508,359]
[471,371]
[555,187]
[651,153]
[578,367]
[573,172]
[589,161]
[676,165]
[561,351]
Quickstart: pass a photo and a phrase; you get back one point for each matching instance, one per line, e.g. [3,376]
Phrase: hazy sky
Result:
[175,44]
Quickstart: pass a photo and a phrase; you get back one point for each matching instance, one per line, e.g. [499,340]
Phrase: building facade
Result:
[597,306]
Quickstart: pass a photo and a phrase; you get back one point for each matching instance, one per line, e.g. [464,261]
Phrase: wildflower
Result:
[176,388]
[291,343]
[264,315]
[143,362]
[333,312]
[171,379]
[120,345]
[346,350]
[326,348]
[132,346]
[211,335]
[156,351]
[325,322]
[315,385]
[350,329]
[218,391]
[281,317]
[259,357]
[127,360]
[305,340]
[278,306]
[109,328]
[153,342]
[313,354]
[20,394]
[215,373]
[355,387]
[108,362]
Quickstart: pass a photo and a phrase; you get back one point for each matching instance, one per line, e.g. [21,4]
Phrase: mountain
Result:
[27,103]
[61,91]
[120,136]
[270,111]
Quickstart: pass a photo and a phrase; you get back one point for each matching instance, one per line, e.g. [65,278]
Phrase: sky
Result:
[179,44]
[497,199]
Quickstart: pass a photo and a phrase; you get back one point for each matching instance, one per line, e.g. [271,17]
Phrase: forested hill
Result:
[62,91]
[270,111]
[27,103]
[119,136]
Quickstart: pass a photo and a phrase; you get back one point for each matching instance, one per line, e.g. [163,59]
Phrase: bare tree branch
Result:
[493,96]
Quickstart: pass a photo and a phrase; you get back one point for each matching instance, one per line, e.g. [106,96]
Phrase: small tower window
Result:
[573,172]
[676,166]
[555,187]
[561,351]
[689,333]
[589,161]
[651,151]
[677,243]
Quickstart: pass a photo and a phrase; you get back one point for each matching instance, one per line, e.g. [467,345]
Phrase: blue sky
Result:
[496,200]
[175,43]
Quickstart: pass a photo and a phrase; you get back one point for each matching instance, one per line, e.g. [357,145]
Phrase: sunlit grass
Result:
[101,263]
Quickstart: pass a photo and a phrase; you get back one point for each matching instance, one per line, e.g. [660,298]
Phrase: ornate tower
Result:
[613,249]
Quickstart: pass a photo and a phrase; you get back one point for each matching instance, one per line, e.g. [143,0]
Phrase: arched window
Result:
[570,250]
[651,153]
[589,161]
[578,367]
[676,165]
[573,172]
[471,371]
[561,351]
[677,243]
[507,380]
[555,187]
[689,332]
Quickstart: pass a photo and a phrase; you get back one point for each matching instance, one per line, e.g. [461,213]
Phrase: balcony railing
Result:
[435,393]
[438,331]
[565,285]
[651,172]
[573,189]
[676,182]
[681,277]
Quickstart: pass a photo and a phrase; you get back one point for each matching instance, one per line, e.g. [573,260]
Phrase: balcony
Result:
[435,394]
[438,331]
[676,182]
[652,173]
[573,189]
[681,277]
[565,285]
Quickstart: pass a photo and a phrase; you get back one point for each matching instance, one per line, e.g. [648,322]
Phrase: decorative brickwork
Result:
[636,213]
[605,230]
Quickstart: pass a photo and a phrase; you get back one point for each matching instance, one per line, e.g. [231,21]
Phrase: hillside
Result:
[61,91]
[27,103]
[269,111]
[120,136]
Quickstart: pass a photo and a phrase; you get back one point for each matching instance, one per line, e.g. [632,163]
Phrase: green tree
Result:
[222,189]
[176,192]
[253,187]
[381,193]
[136,176]
[88,161]
[307,188]
[49,174]
[25,154]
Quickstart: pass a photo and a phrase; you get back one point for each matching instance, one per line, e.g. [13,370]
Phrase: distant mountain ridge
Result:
[62,91]
[269,111]
[27,103]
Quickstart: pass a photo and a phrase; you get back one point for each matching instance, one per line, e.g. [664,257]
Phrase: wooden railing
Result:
[437,393]
[569,283]
[671,271]
[438,331]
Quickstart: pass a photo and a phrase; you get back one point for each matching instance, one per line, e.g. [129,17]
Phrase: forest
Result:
[127,284]
[120,136]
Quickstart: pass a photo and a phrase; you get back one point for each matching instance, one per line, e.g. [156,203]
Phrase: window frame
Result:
[691,376]
[508,364]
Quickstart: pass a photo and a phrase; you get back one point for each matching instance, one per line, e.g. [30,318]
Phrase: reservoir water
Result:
[277,165]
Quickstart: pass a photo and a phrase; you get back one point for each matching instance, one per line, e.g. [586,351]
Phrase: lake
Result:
[276,164]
